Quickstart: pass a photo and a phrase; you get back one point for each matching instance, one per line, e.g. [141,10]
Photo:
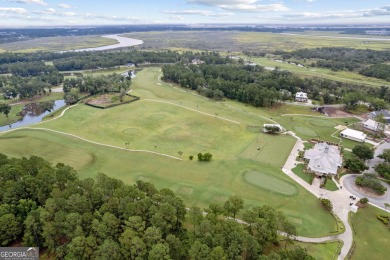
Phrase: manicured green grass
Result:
[179,125]
[317,127]
[331,185]
[197,182]
[371,236]
[299,171]
[12,116]
[57,43]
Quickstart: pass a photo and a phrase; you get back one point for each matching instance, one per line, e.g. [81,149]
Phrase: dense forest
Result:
[260,87]
[339,58]
[94,85]
[25,87]
[381,71]
[10,62]
[103,218]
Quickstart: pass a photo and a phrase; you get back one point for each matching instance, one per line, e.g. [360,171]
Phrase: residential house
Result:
[385,113]
[301,97]
[353,135]
[373,125]
[324,159]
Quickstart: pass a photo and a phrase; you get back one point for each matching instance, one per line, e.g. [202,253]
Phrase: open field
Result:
[63,43]
[370,235]
[289,42]
[171,120]
[251,41]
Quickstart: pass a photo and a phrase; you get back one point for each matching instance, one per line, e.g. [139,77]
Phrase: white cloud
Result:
[13,10]
[344,14]
[198,12]
[38,2]
[50,10]
[241,5]
[64,6]
[90,16]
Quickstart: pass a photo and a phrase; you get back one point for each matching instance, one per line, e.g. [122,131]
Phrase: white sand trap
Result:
[341,127]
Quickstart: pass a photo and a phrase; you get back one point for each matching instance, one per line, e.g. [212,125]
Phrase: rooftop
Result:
[324,158]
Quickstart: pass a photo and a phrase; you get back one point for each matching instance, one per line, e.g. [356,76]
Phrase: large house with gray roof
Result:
[324,159]
[385,113]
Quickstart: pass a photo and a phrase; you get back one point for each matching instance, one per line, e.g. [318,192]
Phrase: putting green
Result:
[322,122]
[270,183]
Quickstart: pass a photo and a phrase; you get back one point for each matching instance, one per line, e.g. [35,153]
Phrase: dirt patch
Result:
[336,112]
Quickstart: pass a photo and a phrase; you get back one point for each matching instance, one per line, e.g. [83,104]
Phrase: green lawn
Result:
[299,171]
[331,185]
[187,123]
[371,236]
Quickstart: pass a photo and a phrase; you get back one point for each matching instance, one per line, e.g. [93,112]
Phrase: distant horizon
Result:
[203,25]
[60,13]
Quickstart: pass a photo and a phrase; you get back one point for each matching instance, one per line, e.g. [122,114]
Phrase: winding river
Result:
[122,42]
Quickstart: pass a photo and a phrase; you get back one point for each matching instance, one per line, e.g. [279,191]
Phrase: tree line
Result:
[94,85]
[380,71]
[24,63]
[339,58]
[260,87]
[50,207]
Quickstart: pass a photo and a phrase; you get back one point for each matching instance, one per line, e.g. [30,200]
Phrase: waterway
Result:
[122,42]
[33,113]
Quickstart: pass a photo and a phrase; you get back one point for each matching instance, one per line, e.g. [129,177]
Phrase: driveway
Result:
[349,184]
[373,162]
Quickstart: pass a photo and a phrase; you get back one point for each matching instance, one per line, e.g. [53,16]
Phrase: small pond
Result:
[34,113]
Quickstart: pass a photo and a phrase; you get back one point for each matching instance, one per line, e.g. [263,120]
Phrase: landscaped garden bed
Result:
[110,100]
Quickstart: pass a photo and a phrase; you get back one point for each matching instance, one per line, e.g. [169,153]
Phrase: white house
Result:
[301,97]
[324,159]
[353,135]
[197,61]
[267,127]
[373,125]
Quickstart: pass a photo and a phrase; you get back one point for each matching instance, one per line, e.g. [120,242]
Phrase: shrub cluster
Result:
[371,181]
[204,157]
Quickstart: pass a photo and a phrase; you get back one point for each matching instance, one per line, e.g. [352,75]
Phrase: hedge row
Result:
[114,105]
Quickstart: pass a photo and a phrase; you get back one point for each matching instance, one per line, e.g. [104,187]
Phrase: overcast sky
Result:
[99,12]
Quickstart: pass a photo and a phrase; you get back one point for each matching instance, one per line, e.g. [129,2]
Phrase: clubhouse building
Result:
[301,97]
[324,159]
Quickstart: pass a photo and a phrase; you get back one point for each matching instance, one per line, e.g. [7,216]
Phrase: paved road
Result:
[349,184]
[340,199]
[373,162]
